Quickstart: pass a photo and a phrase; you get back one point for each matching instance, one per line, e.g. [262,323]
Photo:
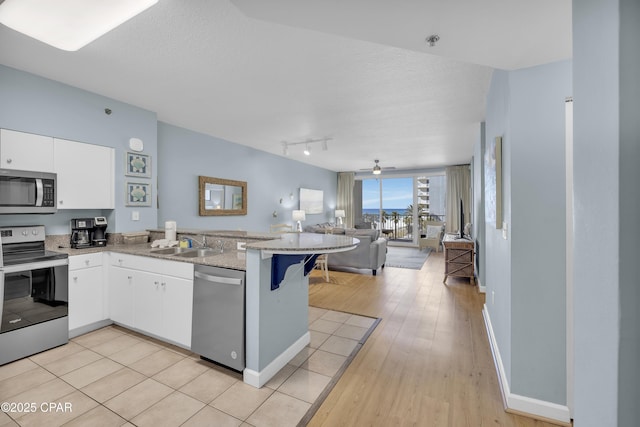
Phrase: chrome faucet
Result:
[203,243]
[220,245]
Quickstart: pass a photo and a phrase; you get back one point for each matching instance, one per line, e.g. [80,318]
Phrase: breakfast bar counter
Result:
[277,299]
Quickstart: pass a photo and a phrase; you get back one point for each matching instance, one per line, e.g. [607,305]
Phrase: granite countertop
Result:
[289,243]
[235,260]
[305,243]
[234,234]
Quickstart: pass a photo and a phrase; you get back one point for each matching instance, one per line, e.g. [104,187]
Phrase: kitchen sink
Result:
[192,253]
[171,251]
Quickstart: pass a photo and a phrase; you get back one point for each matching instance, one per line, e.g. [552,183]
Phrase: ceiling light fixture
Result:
[377,170]
[432,40]
[307,145]
[68,24]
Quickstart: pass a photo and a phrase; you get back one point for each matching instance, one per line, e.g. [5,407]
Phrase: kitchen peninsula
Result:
[276,291]
[277,299]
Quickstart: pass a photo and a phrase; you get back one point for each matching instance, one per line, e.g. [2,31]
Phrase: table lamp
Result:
[339,215]
[298,216]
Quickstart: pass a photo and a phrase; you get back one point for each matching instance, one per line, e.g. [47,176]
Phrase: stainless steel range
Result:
[34,292]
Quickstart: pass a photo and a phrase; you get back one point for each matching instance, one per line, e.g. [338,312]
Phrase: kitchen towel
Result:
[170,229]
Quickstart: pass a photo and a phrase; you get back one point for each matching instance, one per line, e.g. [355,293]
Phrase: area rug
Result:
[402,257]
[334,380]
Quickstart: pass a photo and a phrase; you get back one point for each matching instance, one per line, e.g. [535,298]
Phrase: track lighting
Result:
[307,145]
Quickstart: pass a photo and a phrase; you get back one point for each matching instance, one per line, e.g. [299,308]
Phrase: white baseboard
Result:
[258,379]
[517,403]
[481,288]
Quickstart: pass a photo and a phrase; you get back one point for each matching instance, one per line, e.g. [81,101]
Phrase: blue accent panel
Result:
[281,263]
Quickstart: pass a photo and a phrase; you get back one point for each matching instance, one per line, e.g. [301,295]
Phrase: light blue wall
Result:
[537,231]
[629,178]
[606,154]
[32,104]
[183,155]
[497,252]
[525,274]
[478,229]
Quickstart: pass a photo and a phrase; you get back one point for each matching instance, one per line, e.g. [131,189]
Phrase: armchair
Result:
[433,236]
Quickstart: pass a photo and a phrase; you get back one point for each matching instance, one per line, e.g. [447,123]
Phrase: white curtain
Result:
[346,181]
[458,187]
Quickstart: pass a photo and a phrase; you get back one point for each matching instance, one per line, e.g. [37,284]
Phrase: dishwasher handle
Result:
[218,279]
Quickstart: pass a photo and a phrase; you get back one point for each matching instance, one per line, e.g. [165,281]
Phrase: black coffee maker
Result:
[99,237]
[81,232]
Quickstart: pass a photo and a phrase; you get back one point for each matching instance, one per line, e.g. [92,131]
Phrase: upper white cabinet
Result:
[26,151]
[85,175]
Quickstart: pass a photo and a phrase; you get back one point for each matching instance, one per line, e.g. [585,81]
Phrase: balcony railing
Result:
[399,226]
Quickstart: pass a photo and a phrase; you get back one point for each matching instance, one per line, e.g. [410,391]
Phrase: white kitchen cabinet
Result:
[86,290]
[26,151]
[153,296]
[121,295]
[85,175]
[177,309]
[147,302]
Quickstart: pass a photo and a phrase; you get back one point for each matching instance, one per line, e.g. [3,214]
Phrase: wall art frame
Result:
[137,164]
[138,194]
[311,201]
[493,182]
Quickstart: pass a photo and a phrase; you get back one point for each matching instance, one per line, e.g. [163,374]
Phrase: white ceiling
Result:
[356,71]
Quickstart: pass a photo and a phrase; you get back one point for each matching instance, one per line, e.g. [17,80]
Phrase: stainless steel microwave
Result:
[27,192]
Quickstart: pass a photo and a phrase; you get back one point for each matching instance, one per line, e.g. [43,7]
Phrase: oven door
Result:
[33,293]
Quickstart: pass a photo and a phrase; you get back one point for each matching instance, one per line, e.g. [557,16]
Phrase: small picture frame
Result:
[138,164]
[138,194]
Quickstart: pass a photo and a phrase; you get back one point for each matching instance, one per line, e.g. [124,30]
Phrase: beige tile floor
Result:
[115,377]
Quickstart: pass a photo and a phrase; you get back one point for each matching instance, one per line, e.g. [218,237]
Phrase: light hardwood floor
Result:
[428,363]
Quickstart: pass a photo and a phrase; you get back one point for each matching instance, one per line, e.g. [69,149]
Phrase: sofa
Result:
[371,252]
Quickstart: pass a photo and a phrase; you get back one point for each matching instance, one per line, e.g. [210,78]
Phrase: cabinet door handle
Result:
[86,261]
[9,160]
[75,278]
[129,277]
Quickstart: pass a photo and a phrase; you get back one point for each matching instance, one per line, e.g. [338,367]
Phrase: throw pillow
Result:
[433,231]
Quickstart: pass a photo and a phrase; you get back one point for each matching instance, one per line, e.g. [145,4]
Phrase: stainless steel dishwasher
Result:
[217,331]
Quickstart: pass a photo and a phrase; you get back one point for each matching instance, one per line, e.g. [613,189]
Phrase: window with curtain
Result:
[458,187]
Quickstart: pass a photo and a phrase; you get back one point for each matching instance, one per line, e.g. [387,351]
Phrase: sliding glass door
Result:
[400,206]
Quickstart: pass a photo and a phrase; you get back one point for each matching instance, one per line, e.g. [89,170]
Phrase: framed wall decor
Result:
[138,194]
[138,165]
[493,182]
[311,201]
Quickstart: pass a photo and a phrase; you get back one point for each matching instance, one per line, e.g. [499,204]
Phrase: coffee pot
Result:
[81,232]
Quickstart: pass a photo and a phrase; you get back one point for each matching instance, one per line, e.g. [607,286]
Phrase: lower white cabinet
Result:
[153,296]
[86,290]
[121,295]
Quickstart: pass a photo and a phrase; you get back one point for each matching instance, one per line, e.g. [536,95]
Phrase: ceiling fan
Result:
[377,169]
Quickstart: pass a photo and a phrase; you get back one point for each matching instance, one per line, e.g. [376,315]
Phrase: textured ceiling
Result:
[355,74]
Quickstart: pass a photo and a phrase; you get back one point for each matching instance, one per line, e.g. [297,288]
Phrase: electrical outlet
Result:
[135,216]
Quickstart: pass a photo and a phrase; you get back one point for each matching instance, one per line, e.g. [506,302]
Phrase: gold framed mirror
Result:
[219,196]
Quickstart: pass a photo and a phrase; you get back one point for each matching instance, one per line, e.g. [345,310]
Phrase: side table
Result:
[458,257]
